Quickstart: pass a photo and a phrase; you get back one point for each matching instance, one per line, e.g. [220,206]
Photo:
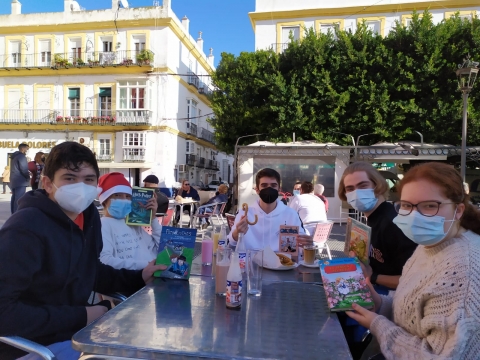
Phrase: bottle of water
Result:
[234,284]
[242,252]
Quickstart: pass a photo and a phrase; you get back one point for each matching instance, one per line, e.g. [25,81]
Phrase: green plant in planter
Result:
[80,62]
[59,60]
[145,57]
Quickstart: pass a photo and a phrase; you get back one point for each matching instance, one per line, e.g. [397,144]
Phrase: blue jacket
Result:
[19,175]
[48,269]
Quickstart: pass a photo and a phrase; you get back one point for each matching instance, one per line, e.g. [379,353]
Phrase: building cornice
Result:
[447,5]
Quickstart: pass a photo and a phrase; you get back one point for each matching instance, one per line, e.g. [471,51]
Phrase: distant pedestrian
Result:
[19,175]
[36,167]
[6,179]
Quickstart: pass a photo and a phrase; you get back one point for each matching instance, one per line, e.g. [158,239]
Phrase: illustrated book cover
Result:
[358,239]
[345,284]
[176,251]
[288,239]
[139,215]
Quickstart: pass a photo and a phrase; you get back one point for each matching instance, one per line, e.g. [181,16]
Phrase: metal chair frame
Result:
[28,346]
[219,216]
[205,215]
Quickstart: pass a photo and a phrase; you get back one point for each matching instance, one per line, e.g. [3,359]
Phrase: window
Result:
[287,30]
[74,99]
[104,151]
[139,43]
[133,139]
[105,101]
[192,111]
[45,52]
[16,53]
[190,147]
[132,94]
[75,50]
[106,55]
[107,46]
[374,26]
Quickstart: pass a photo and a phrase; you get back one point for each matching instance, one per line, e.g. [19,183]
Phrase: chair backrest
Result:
[168,217]
[222,208]
[28,346]
[230,220]
[320,230]
[148,229]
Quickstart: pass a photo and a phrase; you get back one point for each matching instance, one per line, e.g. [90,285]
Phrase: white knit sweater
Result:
[436,307]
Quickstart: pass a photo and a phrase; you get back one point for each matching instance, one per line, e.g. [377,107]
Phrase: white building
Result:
[130,83]
[274,20]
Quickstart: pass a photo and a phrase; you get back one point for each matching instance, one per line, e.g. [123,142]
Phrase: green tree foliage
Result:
[355,83]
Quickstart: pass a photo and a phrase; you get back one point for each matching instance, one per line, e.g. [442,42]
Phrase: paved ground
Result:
[4,208]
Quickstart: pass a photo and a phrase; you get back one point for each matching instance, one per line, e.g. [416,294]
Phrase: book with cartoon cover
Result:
[176,250]
[358,239]
[287,242]
[344,284]
[140,216]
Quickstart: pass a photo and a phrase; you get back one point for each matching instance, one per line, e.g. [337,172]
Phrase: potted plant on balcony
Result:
[94,120]
[144,57]
[79,62]
[59,61]
[59,119]
[127,62]
[93,62]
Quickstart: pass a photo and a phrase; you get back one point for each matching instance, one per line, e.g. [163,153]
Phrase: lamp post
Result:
[467,74]
[235,169]
[353,140]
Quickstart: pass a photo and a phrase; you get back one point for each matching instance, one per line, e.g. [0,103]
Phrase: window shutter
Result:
[105,92]
[74,93]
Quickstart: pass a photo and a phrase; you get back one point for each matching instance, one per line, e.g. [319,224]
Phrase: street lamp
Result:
[467,74]
[355,145]
[235,168]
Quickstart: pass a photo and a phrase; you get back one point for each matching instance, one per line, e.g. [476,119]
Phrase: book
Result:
[288,239]
[176,250]
[357,239]
[344,284]
[140,216]
[322,232]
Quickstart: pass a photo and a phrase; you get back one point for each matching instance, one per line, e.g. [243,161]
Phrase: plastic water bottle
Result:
[242,252]
[234,284]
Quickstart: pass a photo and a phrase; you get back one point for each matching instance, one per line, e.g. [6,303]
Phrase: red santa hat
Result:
[112,183]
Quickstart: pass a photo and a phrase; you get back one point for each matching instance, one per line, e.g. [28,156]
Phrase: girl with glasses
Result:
[434,312]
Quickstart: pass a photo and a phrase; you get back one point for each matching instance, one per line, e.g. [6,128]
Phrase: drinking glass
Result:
[207,251]
[222,265]
[309,252]
[254,271]
[216,237]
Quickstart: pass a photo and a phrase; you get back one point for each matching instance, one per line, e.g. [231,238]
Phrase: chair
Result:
[114,298]
[219,213]
[230,220]
[322,237]
[167,219]
[28,346]
[205,215]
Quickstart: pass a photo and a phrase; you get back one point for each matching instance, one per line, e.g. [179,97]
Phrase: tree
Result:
[354,83]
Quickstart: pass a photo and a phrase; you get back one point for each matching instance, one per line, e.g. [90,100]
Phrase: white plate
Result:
[314,265]
[282,267]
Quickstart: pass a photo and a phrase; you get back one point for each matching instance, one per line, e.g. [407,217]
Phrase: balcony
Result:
[200,162]
[103,155]
[78,117]
[204,89]
[192,129]
[134,155]
[87,59]
[193,79]
[190,160]
[215,165]
[207,135]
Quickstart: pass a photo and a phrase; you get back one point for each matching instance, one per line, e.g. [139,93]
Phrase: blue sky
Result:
[224,23]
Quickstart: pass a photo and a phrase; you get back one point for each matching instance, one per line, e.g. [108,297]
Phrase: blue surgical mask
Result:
[296,192]
[120,208]
[362,199]
[423,230]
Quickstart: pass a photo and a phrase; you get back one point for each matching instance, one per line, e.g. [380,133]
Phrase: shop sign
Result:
[31,144]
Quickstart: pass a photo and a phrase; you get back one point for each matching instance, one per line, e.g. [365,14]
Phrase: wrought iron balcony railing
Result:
[190,159]
[69,116]
[200,162]
[78,59]
[103,155]
[215,165]
[207,135]
[280,47]
[193,79]
[192,129]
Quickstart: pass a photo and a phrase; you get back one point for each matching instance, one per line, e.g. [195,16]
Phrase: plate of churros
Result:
[277,261]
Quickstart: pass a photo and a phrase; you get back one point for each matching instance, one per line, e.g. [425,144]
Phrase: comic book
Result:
[139,215]
[288,239]
[176,250]
[357,239]
[344,284]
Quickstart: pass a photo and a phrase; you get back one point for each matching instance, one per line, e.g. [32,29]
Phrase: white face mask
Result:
[75,197]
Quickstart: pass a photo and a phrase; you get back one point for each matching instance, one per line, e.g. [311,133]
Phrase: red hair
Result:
[451,184]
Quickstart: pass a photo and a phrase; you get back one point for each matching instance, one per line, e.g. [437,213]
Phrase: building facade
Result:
[130,83]
[274,21]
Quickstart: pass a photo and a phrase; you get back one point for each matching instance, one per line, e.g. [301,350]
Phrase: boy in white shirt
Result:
[124,246]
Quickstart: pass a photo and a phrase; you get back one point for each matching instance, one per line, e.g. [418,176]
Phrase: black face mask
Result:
[268,195]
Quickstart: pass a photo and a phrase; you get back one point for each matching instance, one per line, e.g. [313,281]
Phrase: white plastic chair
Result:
[321,241]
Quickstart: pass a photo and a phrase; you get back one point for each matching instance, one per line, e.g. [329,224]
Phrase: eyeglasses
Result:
[186,184]
[425,208]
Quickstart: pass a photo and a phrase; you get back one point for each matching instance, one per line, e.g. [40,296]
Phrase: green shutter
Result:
[105,92]
[74,93]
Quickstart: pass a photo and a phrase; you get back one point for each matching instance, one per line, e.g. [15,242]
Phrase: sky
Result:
[224,23]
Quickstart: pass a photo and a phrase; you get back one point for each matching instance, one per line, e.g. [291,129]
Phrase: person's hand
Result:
[147,272]
[367,269]
[377,299]
[94,312]
[242,225]
[304,240]
[153,205]
[362,315]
